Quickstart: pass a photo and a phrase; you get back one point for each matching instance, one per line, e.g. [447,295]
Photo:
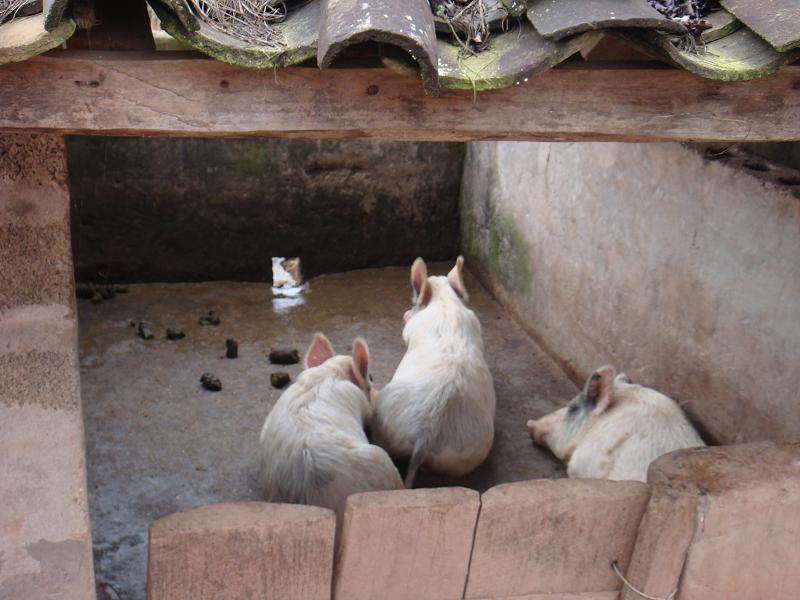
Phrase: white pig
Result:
[438,409]
[614,429]
[313,446]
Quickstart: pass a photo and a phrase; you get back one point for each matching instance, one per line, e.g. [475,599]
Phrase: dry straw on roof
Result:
[11,9]
[248,20]
[467,21]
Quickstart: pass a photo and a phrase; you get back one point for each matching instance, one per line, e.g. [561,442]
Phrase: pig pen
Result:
[158,443]
[170,466]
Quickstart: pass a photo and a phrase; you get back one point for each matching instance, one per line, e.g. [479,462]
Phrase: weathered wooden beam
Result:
[146,94]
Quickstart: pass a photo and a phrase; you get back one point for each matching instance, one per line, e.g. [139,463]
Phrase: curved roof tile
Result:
[557,19]
[510,58]
[738,56]
[53,13]
[32,33]
[185,16]
[777,21]
[408,25]
[522,43]
[722,24]
[300,31]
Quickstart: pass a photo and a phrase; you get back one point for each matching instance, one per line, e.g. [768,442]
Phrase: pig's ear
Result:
[600,389]
[360,370]
[419,282]
[319,351]
[456,279]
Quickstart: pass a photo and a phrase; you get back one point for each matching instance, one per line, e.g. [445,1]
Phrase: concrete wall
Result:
[713,524]
[721,524]
[523,540]
[682,271]
[45,545]
[205,209]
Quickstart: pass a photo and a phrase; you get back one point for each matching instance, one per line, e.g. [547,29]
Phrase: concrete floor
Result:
[158,443]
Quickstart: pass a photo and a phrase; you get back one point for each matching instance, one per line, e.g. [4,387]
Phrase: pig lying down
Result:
[313,446]
[438,409]
[614,429]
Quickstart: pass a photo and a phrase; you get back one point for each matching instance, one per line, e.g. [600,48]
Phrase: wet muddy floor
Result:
[157,442]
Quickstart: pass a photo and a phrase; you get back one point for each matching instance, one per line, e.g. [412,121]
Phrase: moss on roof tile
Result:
[739,56]
[511,57]
[299,30]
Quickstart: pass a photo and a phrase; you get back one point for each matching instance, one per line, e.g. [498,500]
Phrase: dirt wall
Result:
[147,209]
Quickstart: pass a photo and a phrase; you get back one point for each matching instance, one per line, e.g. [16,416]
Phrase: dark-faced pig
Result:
[614,429]
[438,409]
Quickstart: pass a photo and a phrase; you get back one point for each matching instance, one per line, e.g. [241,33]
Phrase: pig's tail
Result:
[635,591]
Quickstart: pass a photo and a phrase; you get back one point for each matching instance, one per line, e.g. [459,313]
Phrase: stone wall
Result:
[204,209]
[683,271]
[517,540]
[45,544]
[713,524]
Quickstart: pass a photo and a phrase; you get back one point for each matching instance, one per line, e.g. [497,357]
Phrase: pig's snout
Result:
[538,431]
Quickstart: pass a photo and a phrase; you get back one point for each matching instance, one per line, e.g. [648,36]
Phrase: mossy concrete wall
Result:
[45,544]
[683,272]
[204,209]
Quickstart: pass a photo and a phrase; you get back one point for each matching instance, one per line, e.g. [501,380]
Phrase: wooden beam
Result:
[73,92]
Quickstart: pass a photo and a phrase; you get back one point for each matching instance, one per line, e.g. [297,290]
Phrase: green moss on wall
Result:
[498,243]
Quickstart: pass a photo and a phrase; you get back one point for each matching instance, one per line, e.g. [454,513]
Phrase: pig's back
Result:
[445,405]
[305,441]
[440,403]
